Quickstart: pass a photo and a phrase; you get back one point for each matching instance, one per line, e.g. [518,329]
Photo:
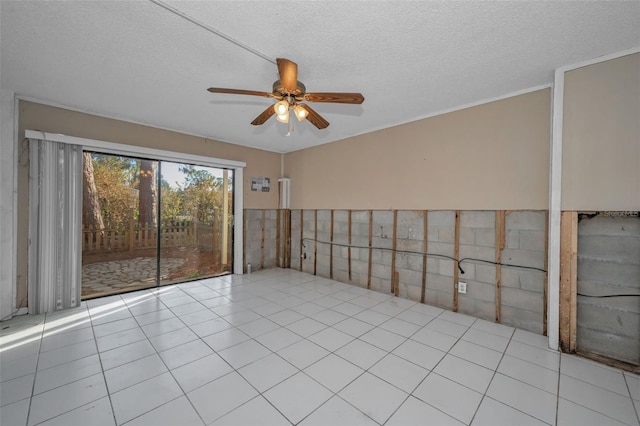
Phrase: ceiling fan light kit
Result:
[283,118]
[281,107]
[290,93]
[300,112]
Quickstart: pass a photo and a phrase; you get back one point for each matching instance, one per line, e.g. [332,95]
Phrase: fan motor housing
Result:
[281,91]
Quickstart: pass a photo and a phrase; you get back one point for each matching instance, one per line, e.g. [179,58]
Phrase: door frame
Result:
[113,148]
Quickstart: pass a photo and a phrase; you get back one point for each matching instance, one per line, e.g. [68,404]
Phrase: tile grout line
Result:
[57,387]
[249,285]
[150,378]
[598,386]
[591,409]
[235,370]
[518,380]
[334,394]
[387,352]
[35,373]
[484,395]
[432,371]
[104,378]
[157,353]
[116,332]
[169,370]
[635,406]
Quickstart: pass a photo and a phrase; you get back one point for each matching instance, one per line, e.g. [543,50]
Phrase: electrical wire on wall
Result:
[597,296]
[420,253]
[458,262]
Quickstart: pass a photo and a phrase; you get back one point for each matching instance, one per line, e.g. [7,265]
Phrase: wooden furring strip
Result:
[568,280]
[262,244]
[396,283]
[500,218]
[370,248]
[456,256]
[315,242]
[393,252]
[425,246]
[287,239]
[349,248]
[331,248]
[545,295]
[278,231]
[301,236]
[244,240]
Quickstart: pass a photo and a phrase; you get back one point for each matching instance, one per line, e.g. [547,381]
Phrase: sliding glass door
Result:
[148,223]
[195,233]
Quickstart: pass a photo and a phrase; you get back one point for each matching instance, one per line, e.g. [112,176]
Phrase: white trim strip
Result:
[555,192]
[130,121]
[134,150]
[238,220]
[555,207]
[375,129]
[599,59]
[441,112]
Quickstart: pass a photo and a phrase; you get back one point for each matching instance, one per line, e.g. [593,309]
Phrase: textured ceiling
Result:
[138,61]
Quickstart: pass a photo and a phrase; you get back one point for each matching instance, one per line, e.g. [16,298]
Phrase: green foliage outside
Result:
[117,183]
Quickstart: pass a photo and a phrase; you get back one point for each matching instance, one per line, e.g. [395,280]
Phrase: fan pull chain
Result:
[291,128]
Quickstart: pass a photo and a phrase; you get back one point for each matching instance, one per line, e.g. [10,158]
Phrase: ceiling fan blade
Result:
[262,118]
[315,118]
[339,98]
[239,92]
[288,74]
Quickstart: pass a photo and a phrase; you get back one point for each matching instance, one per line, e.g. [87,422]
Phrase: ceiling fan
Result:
[290,94]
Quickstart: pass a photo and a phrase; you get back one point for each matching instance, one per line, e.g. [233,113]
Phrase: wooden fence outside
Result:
[205,236]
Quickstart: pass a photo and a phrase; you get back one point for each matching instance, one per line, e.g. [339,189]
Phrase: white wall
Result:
[601,136]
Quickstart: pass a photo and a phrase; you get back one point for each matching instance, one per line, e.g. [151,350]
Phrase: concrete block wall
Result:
[609,263]
[254,242]
[308,233]
[382,237]
[522,290]
[341,239]
[360,256]
[324,235]
[440,269]
[409,239]
[296,222]
[478,241]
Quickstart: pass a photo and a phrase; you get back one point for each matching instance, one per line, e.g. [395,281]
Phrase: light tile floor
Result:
[284,347]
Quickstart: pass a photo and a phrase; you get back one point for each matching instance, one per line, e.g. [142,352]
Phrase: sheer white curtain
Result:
[55,197]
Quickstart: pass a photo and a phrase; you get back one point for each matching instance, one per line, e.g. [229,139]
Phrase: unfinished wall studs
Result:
[417,254]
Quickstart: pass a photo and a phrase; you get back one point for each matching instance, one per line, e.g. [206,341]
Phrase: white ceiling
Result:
[138,61]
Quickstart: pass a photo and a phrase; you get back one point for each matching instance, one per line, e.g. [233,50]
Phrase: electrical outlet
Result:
[462,287]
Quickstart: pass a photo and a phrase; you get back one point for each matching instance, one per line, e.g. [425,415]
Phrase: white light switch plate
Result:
[462,287]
